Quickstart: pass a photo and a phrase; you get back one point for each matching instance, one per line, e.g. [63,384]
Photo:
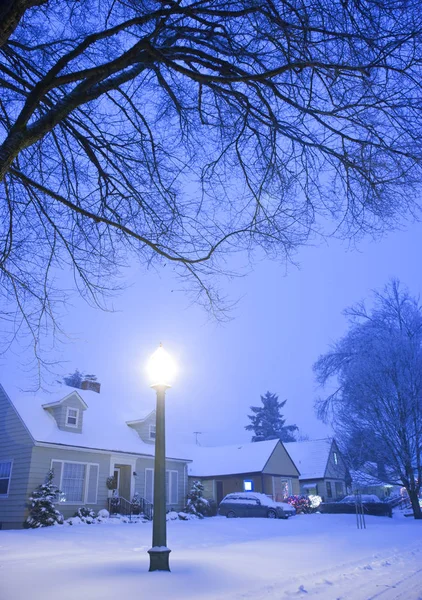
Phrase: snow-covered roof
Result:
[104,421]
[310,457]
[230,460]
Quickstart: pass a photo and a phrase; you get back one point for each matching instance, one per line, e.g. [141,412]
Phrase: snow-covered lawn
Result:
[322,556]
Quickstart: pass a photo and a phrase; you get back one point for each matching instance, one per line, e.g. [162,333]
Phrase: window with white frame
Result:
[72,415]
[5,473]
[152,432]
[172,486]
[78,482]
[335,458]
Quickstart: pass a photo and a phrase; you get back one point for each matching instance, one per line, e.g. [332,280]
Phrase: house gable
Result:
[336,467]
[280,463]
[145,427]
[68,412]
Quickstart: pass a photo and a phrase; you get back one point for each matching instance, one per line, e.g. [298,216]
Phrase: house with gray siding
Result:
[323,471]
[86,437]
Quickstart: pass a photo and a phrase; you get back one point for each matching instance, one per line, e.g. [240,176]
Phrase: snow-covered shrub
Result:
[103,514]
[196,504]
[114,502]
[42,512]
[74,521]
[172,516]
[301,503]
[184,516]
[86,515]
[136,504]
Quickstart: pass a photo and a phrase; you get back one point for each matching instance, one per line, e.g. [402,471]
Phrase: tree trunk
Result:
[414,499]
[11,12]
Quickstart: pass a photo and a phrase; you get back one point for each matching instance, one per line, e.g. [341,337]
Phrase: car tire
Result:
[271,514]
[231,514]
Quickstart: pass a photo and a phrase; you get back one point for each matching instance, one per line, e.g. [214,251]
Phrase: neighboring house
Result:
[260,466]
[323,471]
[369,480]
[86,437]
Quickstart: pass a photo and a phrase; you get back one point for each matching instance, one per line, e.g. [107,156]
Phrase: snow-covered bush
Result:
[136,504]
[172,515]
[196,504]
[86,515]
[301,503]
[103,514]
[114,502]
[42,511]
[184,516]
[74,521]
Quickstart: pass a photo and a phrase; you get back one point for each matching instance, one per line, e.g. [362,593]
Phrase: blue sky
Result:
[284,320]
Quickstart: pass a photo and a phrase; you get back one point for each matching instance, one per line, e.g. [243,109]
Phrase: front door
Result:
[116,475]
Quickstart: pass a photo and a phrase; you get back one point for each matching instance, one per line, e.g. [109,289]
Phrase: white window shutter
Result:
[149,485]
[92,487]
[174,487]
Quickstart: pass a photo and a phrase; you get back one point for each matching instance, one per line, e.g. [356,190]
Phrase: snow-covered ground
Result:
[322,556]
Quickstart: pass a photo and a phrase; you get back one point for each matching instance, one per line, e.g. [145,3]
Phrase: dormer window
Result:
[152,432]
[72,415]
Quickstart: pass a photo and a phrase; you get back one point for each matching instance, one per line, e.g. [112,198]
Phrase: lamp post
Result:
[161,370]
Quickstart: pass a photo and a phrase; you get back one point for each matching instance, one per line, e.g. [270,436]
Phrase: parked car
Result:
[254,504]
[371,504]
[364,498]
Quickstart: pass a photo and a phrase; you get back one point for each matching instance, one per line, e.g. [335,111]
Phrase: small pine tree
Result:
[196,504]
[42,512]
[136,504]
[267,421]
[75,379]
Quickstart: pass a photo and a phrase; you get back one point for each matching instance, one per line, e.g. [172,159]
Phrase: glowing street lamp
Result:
[161,369]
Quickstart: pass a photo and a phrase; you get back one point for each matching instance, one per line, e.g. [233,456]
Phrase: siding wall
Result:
[41,463]
[336,471]
[280,463]
[59,413]
[16,445]
[142,428]
[143,463]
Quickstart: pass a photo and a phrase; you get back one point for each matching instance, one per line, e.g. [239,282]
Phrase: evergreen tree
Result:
[267,422]
[42,512]
[196,504]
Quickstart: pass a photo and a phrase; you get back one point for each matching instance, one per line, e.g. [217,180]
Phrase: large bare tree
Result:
[177,131]
[376,408]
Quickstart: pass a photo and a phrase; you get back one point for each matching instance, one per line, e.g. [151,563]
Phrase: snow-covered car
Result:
[364,498]
[253,504]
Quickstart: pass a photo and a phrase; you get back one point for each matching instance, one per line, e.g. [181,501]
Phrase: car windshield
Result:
[364,498]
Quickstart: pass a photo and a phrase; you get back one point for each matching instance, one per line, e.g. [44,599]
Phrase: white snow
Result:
[310,457]
[229,460]
[313,556]
[104,421]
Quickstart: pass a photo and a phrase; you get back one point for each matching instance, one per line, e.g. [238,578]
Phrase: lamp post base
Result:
[159,559]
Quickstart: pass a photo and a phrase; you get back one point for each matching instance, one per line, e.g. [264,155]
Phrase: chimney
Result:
[93,386]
